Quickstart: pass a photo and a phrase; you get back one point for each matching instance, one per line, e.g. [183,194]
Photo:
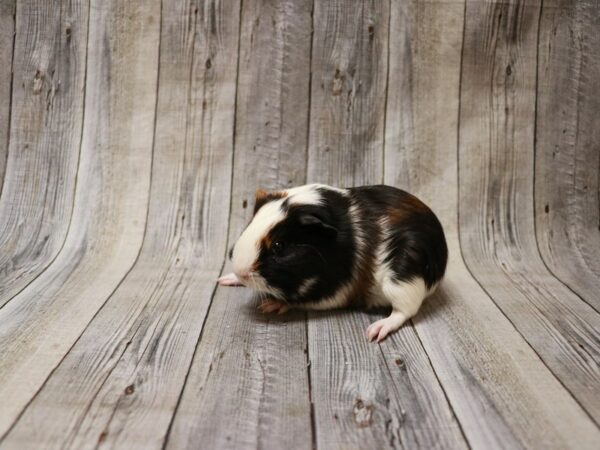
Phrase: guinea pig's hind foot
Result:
[273,306]
[382,328]
[229,280]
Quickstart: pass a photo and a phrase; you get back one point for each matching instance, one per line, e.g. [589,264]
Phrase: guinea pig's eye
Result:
[277,247]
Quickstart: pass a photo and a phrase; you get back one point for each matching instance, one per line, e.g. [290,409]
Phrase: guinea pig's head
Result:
[291,242]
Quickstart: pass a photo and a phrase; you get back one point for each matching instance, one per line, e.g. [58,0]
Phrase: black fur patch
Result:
[416,239]
[318,243]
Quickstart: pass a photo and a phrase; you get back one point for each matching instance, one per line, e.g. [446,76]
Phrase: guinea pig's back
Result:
[410,237]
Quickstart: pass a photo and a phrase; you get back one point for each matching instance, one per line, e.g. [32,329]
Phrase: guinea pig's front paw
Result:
[382,328]
[273,306]
[229,280]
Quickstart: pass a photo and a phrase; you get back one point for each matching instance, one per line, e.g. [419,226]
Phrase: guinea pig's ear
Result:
[314,221]
[262,197]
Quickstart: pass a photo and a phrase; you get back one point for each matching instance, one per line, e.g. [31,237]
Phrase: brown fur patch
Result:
[262,197]
[409,207]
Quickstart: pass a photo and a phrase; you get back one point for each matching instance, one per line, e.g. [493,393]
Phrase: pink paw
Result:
[229,280]
[273,306]
[382,328]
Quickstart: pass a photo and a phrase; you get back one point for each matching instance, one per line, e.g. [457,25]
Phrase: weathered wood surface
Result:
[500,391]
[249,368]
[7,37]
[364,396]
[45,135]
[567,166]
[134,145]
[40,325]
[496,166]
[158,310]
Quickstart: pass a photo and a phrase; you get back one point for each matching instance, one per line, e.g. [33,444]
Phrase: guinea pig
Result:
[320,247]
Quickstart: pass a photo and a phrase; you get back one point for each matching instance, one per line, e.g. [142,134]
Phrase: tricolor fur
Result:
[319,247]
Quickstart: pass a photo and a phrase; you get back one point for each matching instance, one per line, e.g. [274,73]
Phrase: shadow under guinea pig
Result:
[430,308]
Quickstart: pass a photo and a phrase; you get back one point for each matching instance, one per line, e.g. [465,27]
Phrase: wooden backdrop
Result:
[132,137]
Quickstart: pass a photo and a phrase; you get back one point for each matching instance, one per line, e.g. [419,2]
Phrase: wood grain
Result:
[364,395]
[45,136]
[502,394]
[349,64]
[143,340]
[133,135]
[7,37]
[249,377]
[496,197]
[567,164]
[40,325]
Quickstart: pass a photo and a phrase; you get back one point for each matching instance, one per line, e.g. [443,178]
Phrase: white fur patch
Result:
[337,300]
[404,296]
[307,286]
[246,249]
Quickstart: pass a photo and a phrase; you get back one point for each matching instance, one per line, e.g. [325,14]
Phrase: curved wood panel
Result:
[45,136]
[499,389]
[496,197]
[251,368]
[364,395]
[133,135]
[41,324]
[133,382]
[567,165]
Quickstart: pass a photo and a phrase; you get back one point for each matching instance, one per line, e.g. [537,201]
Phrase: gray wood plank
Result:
[41,324]
[567,165]
[135,354]
[45,136]
[496,161]
[500,391]
[349,66]
[365,395]
[7,37]
[248,384]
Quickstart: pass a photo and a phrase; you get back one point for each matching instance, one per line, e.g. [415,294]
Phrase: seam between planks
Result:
[10,94]
[313,424]
[310,75]
[459,222]
[439,381]
[212,296]
[387,90]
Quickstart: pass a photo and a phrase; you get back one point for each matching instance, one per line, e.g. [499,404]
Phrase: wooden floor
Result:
[132,137]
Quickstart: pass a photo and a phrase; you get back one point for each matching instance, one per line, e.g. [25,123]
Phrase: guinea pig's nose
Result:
[230,253]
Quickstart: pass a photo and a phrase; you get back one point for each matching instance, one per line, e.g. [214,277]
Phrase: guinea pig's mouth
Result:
[255,281]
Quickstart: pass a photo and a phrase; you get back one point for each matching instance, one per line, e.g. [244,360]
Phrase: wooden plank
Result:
[365,396]
[567,164]
[496,197]
[500,391]
[41,324]
[143,340]
[348,91]
[45,135]
[7,37]
[248,384]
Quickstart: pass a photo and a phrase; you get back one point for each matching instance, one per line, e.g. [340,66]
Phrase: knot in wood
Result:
[362,413]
